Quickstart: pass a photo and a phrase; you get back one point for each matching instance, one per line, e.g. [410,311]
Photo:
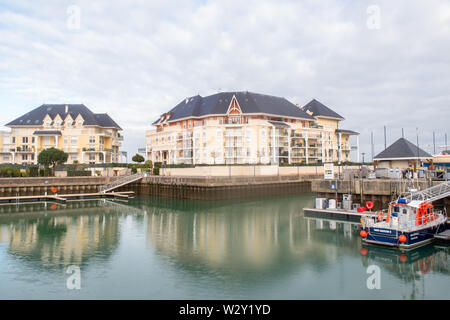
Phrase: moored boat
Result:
[404,224]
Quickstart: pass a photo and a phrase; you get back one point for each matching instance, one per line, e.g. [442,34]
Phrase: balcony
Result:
[24,150]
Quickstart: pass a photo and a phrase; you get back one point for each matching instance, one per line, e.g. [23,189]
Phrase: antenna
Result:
[385,138]
[371,141]
[434,143]
[418,157]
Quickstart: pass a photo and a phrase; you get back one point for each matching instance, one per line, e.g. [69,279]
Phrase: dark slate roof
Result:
[320,110]
[279,123]
[402,148]
[249,102]
[347,131]
[47,132]
[36,116]
[104,120]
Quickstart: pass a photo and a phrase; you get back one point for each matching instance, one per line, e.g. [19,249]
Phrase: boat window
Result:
[405,211]
[396,209]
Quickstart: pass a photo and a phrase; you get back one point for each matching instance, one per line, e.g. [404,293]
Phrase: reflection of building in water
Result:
[410,266]
[64,239]
[249,235]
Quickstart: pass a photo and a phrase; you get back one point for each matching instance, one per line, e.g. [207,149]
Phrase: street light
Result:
[363,153]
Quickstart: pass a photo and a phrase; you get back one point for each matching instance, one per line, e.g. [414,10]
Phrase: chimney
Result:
[67,108]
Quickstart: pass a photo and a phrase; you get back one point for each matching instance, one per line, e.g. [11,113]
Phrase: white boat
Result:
[405,224]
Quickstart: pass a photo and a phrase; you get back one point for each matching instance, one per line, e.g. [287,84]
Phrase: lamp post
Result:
[363,153]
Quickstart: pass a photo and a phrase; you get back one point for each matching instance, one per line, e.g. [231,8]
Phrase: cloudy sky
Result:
[377,63]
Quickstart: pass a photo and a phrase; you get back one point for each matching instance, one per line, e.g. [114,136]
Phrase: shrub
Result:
[138,158]
[33,171]
[134,170]
[157,165]
[79,173]
[45,172]
[156,170]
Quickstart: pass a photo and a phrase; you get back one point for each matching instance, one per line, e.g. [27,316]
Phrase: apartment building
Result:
[247,128]
[88,138]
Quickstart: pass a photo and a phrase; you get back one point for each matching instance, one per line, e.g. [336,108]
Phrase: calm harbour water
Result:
[155,248]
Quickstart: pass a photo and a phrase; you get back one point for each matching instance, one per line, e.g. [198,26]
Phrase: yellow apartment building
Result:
[87,137]
[247,128]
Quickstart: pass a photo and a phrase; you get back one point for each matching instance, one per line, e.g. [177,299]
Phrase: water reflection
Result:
[410,267]
[257,235]
[221,249]
[61,236]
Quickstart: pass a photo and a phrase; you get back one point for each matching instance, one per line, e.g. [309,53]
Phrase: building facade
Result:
[245,128]
[87,137]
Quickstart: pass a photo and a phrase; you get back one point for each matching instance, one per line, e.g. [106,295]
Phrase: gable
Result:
[234,109]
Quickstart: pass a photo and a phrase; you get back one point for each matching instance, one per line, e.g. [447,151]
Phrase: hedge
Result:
[79,173]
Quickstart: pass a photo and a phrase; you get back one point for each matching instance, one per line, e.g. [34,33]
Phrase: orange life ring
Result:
[380,216]
[369,205]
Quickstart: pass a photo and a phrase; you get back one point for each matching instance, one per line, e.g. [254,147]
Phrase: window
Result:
[92,140]
[24,157]
[13,140]
[25,140]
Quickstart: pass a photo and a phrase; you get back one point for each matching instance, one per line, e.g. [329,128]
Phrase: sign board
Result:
[328,171]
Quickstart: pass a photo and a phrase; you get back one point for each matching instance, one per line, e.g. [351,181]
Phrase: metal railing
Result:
[437,192]
[121,182]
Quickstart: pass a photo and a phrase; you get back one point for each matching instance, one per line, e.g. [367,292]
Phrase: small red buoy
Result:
[369,205]
[363,234]
[54,190]
[54,207]
[403,258]
[402,238]
[363,251]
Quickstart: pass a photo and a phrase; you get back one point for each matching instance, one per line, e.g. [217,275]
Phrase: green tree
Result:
[138,158]
[52,157]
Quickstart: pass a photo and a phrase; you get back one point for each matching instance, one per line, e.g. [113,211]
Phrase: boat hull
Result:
[390,237]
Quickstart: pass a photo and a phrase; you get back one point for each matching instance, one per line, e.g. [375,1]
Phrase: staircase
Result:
[431,194]
[120,183]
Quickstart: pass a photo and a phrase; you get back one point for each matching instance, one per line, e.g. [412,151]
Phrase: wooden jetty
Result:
[337,214]
[63,198]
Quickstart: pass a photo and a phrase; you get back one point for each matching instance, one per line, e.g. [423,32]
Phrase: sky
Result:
[376,63]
